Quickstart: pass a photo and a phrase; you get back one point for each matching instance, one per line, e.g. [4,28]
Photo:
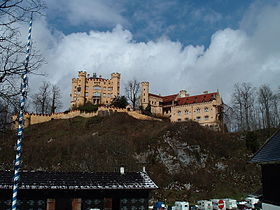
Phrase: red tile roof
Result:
[189,99]
[165,98]
[197,99]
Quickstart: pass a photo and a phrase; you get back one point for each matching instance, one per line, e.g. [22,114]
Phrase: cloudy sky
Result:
[194,45]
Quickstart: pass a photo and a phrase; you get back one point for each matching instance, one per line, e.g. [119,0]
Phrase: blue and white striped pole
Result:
[20,121]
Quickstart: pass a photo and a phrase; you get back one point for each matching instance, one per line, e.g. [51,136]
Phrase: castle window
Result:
[179,112]
[104,94]
[96,88]
[187,111]
[206,109]
[198,110]
[96,94]
[86,94]
[78,89]
[206,117]
[109,95]
[110,88]
[198,118]
[179,120]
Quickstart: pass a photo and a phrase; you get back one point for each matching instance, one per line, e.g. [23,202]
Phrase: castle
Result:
[96,90]
[206,108]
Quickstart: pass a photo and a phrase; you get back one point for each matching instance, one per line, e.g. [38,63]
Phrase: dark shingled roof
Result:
[270,151]
[78,180]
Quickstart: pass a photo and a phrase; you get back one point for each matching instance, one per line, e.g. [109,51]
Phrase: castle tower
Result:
[144,97]
[115,78]
[81,87]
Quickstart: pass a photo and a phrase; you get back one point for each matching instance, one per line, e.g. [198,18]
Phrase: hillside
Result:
[187,161]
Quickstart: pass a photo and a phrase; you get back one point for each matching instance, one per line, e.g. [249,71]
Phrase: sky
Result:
[195,45]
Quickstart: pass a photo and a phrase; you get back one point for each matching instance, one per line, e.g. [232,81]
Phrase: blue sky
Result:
[186,21]
[195,45]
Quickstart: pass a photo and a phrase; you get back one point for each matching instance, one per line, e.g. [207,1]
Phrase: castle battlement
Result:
[33,118]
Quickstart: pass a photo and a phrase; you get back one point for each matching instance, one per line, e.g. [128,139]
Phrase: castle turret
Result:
[115,78]
[81,87]
[144,98]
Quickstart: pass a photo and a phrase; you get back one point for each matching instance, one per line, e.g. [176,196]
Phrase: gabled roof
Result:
[78,180]
[270,151]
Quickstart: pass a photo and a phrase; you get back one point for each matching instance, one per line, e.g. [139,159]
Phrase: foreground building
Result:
[77,190]
[206,108]
[96,90]
[268,157]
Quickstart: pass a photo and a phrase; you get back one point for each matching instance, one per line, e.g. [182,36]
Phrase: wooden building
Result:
[268,157]
[75,190]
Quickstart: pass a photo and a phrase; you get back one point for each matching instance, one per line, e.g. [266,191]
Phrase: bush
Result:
[88,107]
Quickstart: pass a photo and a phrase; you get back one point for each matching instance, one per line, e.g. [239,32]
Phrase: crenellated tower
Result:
[144,97]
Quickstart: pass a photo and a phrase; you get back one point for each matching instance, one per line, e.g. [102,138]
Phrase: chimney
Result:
[122,170]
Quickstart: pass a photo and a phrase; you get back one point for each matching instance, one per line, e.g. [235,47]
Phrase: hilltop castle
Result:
[96,90]
[206,108]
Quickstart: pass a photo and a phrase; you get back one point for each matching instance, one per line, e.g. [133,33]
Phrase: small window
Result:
[179,120]
[206,109]
[104,94]
[198,118]
[86,94]
[198,110]
[109,95]
[110,88]
[186,118]
[96,94]
[96,88]
[179,112]
[206,117]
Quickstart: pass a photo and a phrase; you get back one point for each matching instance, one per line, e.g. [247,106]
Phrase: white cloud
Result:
[91,13]
[233,56]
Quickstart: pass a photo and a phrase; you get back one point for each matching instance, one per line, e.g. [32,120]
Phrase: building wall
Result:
[155,105]
[204,113]
[94,89]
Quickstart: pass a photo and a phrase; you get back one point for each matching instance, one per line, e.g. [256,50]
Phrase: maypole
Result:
[20,120]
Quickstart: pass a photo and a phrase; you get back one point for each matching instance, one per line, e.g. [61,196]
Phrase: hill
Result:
[187,161]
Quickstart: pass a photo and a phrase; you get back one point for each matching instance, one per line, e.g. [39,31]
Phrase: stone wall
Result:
[31,118]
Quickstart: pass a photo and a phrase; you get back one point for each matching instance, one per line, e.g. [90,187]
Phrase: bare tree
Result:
[55,98]
[266,100]
[42,99]
[14,13]
[243,105]
[132,89]
[12,50]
